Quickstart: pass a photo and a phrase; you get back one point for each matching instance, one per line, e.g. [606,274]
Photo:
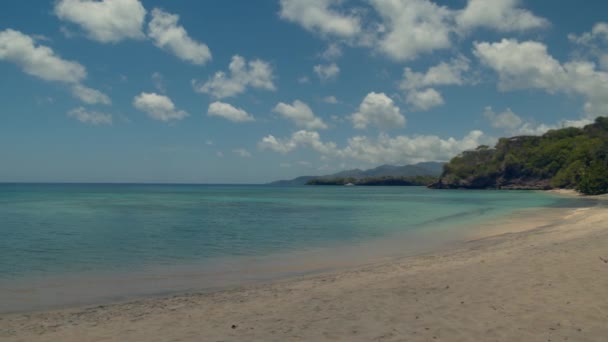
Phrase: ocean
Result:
[66,244]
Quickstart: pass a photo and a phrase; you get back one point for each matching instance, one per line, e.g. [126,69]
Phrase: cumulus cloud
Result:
[598,32]
[505,120]
[528,65]
[90,117]
[417,85]
[444,73]
[89,95]
[413,27]
[242,74]
[228,112]
[327,72]
[383,149]
[301,114]
[42,62]
[322,16]
[411,149]
[405,29]
[424,100]
[301,138]
[594,43]
[531,128]
[500,15]
[38,60]
[158,107]
[106,21]
[168,35]
[378,110]
[512,124]
[241,152]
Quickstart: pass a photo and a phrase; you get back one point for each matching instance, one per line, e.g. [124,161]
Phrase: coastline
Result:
[512,281]
[574,193]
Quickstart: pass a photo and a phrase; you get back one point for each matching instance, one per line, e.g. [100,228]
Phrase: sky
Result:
[235,91]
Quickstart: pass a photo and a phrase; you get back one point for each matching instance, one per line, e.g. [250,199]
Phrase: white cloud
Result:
[405,29]
[327,72]
[424,99]
[506,120]
[256,74]
[300,113]
[90,117]
[598,32]
[301,138]
[241,152]
[528,65]
[444,73]
[411,149]
[512,124]
[500,15]
[38,60]
[383,149]
[158,107]
[320,16]
[332,52]
[229,112]
[107,21]
[168,35]
[412,27]
[219,154]
[378,110]
[330,99]
[529,128]
[89,95]
[594,43]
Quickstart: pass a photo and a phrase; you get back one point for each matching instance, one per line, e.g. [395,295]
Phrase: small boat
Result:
[349,184]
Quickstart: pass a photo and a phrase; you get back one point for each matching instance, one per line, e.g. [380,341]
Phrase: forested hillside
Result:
[574,158]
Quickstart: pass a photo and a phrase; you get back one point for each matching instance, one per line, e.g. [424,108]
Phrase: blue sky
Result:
[252,91]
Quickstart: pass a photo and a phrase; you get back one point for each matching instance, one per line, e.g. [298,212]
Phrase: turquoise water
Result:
[71,229]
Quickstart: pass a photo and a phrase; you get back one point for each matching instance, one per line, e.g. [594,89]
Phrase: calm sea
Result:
[78,243]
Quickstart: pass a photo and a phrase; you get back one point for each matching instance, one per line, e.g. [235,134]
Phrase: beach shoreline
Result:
[545,280]
[64,290]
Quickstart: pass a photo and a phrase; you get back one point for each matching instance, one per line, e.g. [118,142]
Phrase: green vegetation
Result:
[376,181]
[573,158]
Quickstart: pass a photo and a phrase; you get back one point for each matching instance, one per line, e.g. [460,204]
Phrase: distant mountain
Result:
[420,169]
[296,181]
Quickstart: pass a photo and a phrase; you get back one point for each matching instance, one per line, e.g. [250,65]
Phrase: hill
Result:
[572,158]
[383,171]
[376,181]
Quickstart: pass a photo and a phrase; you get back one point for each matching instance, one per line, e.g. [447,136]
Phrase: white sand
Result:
[545,283]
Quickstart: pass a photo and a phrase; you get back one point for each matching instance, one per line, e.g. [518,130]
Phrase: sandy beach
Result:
[546,280]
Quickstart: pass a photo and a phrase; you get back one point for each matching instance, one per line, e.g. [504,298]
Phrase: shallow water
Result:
[78,243]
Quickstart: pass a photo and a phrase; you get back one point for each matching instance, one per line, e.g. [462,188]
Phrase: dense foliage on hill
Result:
[376,181]
[574,158]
